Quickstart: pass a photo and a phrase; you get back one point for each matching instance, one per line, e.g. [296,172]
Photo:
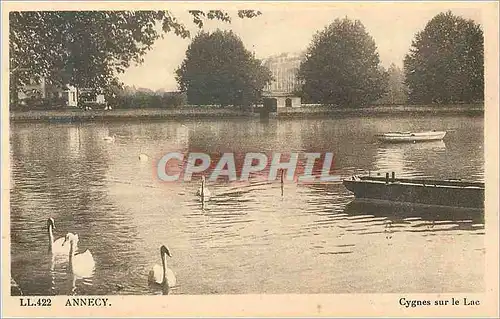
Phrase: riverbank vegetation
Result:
[214,111]
[218,69]
[341,68]
[148,100]
[446,62]
[445,65]
[396,91]
[87,49]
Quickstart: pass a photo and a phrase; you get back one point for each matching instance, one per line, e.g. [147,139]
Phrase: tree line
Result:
[88,49]
[445,63]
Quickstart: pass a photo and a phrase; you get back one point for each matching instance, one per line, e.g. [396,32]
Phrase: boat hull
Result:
[411,137]
[423,192]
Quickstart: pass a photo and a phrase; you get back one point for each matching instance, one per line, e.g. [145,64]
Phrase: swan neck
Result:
[51,236]
[71,253]
[164,267]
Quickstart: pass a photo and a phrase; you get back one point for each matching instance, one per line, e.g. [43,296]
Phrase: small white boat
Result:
[401,137]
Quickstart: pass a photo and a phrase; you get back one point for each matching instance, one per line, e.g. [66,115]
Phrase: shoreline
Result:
[78,115]
[383,110]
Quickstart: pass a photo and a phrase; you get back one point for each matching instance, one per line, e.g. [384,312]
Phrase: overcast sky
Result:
[290,27]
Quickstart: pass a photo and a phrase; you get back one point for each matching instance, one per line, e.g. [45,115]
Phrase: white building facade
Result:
[281,92]
[44,90]
[284,68]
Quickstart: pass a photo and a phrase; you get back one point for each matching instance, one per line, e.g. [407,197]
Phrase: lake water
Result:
[247,238]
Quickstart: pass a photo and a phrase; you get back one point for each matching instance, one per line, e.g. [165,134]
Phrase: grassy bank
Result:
[381,110]
[77,115]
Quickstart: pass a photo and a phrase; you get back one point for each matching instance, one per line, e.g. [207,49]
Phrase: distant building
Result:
[92,97]
[281,92]
[42,89]
[284,68]
[67,95]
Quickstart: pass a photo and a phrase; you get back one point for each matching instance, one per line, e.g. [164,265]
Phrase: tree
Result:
[88,48]
[446,60]
[397,92]
[219,70]
[342,66]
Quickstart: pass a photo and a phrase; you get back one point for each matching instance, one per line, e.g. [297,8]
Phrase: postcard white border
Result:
[335,305]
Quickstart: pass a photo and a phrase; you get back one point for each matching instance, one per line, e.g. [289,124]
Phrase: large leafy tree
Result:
[218,69]
[89,48]
[446,61]
[342,66]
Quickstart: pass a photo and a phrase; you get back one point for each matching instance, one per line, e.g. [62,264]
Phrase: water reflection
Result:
[74,143]
[419,218]
[405,159]
[248,238]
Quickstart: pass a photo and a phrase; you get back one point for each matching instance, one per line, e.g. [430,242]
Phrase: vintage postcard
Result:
[220,159]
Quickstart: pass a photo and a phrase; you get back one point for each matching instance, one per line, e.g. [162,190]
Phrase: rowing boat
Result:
[402,137]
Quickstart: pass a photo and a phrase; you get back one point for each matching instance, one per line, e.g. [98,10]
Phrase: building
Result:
[91,98]
[284,68]
[282,91]
[57,95]
[42,89]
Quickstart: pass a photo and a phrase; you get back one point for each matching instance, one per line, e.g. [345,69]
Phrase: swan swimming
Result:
[162,275]
[81,265]
[56,247]
[109,138]
[15,290]
[203,191]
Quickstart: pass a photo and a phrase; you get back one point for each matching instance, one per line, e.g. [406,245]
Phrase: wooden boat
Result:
[405,137]
[450,193]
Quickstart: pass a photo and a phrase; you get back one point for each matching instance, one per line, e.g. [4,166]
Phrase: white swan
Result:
[81,265]
[56,247]
[109,138]
[162,275]
[15,290]
[203,191]
[143,157]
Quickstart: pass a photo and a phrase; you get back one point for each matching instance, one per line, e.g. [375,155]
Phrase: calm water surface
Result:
[247,239]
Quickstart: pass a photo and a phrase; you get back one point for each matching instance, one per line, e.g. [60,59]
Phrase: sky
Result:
[289,27]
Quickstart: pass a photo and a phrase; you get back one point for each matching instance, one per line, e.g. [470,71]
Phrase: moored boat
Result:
[404,137]
[451,193]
